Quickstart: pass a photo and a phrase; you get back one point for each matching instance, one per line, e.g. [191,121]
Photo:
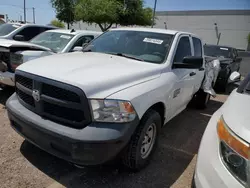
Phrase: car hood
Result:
[236,114]
[7,44]
[30,55]
[98,75]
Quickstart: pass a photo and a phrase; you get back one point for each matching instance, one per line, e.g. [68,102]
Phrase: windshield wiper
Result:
[128,56]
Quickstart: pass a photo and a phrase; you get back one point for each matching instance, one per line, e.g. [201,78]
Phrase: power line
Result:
[16,6]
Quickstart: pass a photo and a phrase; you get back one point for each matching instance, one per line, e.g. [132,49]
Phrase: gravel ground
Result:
[24,165]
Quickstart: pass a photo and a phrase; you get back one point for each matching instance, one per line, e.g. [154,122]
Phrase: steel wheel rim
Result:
[148,141]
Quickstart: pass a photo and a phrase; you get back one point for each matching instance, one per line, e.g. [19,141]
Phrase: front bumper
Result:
[7,78]
[210,171]
[95,144]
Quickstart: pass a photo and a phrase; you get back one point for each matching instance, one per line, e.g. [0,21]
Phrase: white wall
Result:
[234,29]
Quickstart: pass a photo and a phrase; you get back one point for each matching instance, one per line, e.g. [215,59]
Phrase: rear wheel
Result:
[143,142]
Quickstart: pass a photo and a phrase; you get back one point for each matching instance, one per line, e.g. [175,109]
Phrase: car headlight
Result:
[112,110]
[234,152]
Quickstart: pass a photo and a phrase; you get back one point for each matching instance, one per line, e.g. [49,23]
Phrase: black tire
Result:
[132,157]
[200,100]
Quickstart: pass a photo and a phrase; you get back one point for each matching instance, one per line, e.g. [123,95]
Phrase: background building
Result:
[228,27]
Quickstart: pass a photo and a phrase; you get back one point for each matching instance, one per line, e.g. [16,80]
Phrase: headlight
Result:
[234,152]
[112,111]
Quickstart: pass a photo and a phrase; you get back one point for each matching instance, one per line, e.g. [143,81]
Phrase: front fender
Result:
[145,95]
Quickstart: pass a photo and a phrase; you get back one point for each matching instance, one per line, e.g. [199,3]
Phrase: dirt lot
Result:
[24,165]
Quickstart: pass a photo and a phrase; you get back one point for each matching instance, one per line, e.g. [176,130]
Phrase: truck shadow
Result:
[5,94]
[179,143]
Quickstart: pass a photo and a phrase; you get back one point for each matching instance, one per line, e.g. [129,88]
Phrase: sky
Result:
[45,13]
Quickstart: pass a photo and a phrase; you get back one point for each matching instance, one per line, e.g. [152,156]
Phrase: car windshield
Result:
[52,40]
[145,46]
[217,51]
[5,29]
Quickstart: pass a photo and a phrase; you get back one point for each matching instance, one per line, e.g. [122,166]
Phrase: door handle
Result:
[192,73]
[201,69]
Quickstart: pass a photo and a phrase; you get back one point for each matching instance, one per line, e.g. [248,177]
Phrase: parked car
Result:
[110,100]
[21,32]
[223,157]
[229,62]
[51,42]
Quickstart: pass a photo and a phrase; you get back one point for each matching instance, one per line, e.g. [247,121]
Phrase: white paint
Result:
[210,171]
[107,76]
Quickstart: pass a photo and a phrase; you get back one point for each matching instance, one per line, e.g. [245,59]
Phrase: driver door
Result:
[184,78]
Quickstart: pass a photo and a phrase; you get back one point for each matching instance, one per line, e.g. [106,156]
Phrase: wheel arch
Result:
[160,108]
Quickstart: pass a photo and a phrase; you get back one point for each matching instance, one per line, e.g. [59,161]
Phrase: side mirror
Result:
[77,49]
[190,63]
[19,37]
[234,77]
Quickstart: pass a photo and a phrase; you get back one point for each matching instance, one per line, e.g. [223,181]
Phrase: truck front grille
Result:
[60,93]
[25,97]
[26,82]
[53,100]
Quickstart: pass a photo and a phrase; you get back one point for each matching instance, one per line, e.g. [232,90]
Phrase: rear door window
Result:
[29,32]
[197,47]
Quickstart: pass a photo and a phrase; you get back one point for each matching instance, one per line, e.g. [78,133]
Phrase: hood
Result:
[98,75]
[30,55]
[236,114]
[5,43]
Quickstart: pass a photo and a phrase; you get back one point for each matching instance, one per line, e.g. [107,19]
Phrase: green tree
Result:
[57,23]
[65,10]
[248,38]
[108,12]
[102,12]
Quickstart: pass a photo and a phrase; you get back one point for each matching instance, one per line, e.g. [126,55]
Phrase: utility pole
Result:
[6,18]
[34,17]
[153,21]
[24,10]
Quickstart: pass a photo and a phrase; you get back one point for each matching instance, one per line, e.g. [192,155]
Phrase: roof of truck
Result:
[74,32]
[156,30]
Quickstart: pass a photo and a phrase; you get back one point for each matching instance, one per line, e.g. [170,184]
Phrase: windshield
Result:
[55,41]
[5,29]
[217,51]
[146,46]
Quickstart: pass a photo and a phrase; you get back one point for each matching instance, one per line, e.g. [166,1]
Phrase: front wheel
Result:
[143,142]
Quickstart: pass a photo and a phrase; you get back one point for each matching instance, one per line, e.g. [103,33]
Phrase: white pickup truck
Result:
[110,100]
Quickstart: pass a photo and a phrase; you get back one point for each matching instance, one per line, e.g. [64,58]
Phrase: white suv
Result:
[113,98]
[21,32]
